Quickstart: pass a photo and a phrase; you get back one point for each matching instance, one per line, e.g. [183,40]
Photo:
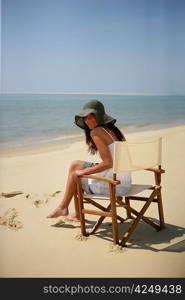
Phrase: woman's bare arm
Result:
[104,152]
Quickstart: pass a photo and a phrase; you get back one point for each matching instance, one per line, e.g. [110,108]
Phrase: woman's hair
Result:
[89,141]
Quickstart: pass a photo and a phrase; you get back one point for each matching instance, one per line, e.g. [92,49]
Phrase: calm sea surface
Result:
[34,119]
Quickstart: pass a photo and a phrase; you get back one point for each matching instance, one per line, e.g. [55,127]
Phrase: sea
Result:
[37,119]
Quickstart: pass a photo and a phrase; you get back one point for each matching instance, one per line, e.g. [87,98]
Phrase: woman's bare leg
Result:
[62,209]
[76,215]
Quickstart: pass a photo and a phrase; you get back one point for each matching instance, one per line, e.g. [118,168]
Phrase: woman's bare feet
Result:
[58,212]
[72,217]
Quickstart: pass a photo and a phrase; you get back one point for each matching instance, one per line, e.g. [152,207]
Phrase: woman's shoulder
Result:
[97,131]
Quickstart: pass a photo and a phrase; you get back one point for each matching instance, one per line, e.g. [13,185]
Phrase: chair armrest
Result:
[156,170]
[106,179]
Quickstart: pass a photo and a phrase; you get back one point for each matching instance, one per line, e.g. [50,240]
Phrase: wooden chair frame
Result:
[115,201]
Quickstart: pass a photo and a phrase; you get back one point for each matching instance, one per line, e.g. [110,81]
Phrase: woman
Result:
[100,133]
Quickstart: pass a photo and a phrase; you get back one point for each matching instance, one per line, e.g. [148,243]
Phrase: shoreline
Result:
[57,144]
[39,149]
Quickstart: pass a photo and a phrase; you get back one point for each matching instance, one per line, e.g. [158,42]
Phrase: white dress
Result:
[102,188]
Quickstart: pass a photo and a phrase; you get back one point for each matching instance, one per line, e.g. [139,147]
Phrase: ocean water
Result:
[35,119]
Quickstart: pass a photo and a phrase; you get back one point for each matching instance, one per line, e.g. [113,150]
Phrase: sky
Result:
[126,46]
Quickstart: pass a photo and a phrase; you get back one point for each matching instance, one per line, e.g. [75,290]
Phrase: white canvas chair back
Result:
[133,156]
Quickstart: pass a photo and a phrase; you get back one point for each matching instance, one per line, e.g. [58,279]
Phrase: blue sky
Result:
[131,46]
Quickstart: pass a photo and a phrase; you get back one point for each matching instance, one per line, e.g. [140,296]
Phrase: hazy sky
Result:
[93,46]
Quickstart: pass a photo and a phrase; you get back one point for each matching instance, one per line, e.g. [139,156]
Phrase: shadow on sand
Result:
[144,237]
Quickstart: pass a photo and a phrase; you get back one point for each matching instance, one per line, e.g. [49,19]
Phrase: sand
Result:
[34,246]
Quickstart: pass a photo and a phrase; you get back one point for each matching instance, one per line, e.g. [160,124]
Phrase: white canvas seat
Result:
[128,156]
[134,190]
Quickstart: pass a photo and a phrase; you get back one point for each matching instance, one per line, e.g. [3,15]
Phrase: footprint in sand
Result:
[10,220]
[40,200]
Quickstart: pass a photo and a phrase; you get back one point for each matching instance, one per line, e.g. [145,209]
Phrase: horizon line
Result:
[91,93]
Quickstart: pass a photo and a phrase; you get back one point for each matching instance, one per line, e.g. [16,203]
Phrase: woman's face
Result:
[90,121]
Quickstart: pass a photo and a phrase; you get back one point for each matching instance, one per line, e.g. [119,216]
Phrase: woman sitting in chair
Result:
[100,133]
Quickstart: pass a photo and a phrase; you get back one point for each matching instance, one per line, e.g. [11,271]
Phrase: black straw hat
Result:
[97,108]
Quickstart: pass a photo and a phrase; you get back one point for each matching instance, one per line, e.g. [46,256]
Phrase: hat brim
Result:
[79,121]
[86,112]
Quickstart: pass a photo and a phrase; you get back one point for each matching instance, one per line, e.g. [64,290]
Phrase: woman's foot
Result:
[72,217]
[58,212]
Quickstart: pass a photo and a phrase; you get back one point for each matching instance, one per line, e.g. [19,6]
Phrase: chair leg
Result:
[79,194]
[114,214]
[159,198]
[160,209]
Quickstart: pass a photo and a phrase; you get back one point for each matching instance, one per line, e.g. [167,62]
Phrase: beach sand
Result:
[34,246]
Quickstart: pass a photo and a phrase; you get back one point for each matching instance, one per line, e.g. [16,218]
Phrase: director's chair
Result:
[128,157]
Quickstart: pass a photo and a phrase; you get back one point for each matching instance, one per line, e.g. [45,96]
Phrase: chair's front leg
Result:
[114,214]
[159,198]
[79,199]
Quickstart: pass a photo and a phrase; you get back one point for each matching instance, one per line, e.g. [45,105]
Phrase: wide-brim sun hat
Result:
[97,108]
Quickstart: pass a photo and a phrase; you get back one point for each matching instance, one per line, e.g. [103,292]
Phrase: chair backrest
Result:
[133,156]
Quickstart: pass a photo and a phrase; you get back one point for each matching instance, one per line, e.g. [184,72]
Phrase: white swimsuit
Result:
[102,188]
